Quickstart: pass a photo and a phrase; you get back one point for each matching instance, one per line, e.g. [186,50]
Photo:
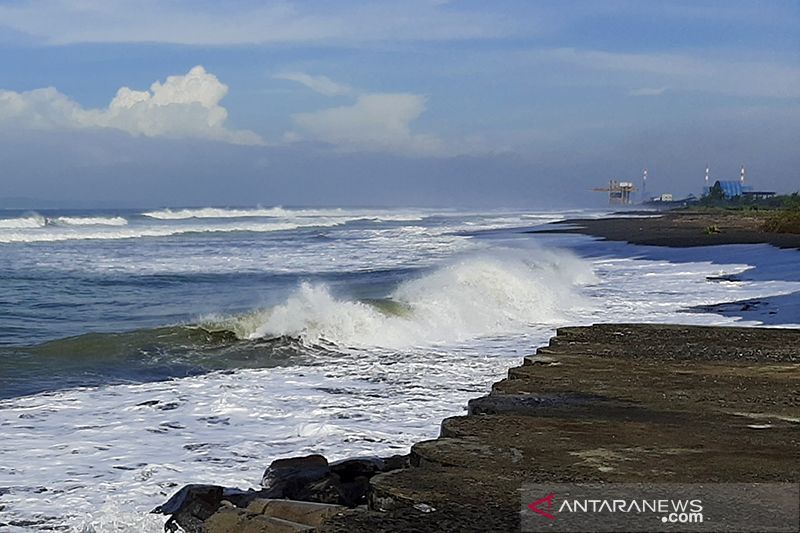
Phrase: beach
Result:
[682,228]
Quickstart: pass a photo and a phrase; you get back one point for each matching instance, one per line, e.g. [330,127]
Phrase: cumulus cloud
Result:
[375,122]
[184,106]
[320,84]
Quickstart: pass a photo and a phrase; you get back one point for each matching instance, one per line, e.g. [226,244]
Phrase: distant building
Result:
[759,195]
[734,189]
[730,189]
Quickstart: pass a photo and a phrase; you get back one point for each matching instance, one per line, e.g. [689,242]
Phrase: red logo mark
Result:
[535,506]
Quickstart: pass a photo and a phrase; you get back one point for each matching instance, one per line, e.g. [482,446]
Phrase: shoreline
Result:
[604,403]
[679,228]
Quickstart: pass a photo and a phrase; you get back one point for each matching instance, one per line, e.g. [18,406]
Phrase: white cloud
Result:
[683,72]
[647,91]
[375,122]
[185,106]
[321,84]
[277,21]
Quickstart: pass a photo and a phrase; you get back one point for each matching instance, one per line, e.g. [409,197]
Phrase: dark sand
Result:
[680,228]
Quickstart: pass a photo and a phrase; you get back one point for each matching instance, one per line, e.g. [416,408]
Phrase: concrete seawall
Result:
[606,403]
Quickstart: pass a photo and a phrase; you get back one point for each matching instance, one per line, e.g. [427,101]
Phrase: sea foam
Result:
[29,221]
[88,221]
[87,232]
[470,297]
[278,212]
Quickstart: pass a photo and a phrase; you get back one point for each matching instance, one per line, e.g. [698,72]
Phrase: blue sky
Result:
[422,101]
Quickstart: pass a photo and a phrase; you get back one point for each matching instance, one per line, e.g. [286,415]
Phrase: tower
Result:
[706,188]
[644,185]
[741,175]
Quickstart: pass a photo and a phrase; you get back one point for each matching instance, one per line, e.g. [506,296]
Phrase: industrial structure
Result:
[619,192]
[644,185]
[731,189]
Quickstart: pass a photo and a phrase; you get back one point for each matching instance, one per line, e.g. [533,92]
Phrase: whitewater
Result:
[141,350]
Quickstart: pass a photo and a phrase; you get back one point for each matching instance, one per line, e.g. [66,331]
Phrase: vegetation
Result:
[780,214]
[787,219]
[716,199]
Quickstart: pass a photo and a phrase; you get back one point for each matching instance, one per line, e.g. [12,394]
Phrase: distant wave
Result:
[476,296]
[30,221]
[214,212]
[35,220]
[278,212]
[55,233]
[87,221]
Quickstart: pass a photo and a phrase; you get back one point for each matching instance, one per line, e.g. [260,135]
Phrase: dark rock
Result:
[312,479]
[190,506]
[193,504]
[286,476]
[350,469]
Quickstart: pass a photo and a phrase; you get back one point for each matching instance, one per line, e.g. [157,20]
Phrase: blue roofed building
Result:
[731,189]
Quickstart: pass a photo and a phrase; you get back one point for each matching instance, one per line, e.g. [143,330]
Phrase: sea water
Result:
[144,349]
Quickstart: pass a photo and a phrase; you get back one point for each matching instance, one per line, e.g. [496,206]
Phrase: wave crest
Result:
[469,298]
[29,221]
[88,221]
[278,212]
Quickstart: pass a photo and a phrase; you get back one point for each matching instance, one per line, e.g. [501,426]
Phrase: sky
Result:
[415,103]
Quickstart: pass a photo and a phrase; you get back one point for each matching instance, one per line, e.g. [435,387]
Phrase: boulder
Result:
[190,507]
[307,513]
[234,520]
[312,479]
[193,504]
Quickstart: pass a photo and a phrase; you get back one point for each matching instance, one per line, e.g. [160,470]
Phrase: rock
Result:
[289,475]
[312,479]
[190,506]
[241,521]
[308,513]
[193,504]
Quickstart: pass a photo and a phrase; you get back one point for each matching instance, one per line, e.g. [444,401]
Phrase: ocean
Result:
[141,350]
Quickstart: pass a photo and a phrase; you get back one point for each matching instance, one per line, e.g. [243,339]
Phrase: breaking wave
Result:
[87,221]
[30,221]
[86,233]
[214,212]
[469,298]
[275,212]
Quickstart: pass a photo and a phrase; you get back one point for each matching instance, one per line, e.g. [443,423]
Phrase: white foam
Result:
[30,221]
[88,221]
[272,212]
[214,212]
[470,297]
[55,234]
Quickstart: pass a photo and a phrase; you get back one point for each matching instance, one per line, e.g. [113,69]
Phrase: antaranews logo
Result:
[673,511]
[549,501]
[657,507]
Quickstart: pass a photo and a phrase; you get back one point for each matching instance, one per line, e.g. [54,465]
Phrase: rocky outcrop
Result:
[296,494]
